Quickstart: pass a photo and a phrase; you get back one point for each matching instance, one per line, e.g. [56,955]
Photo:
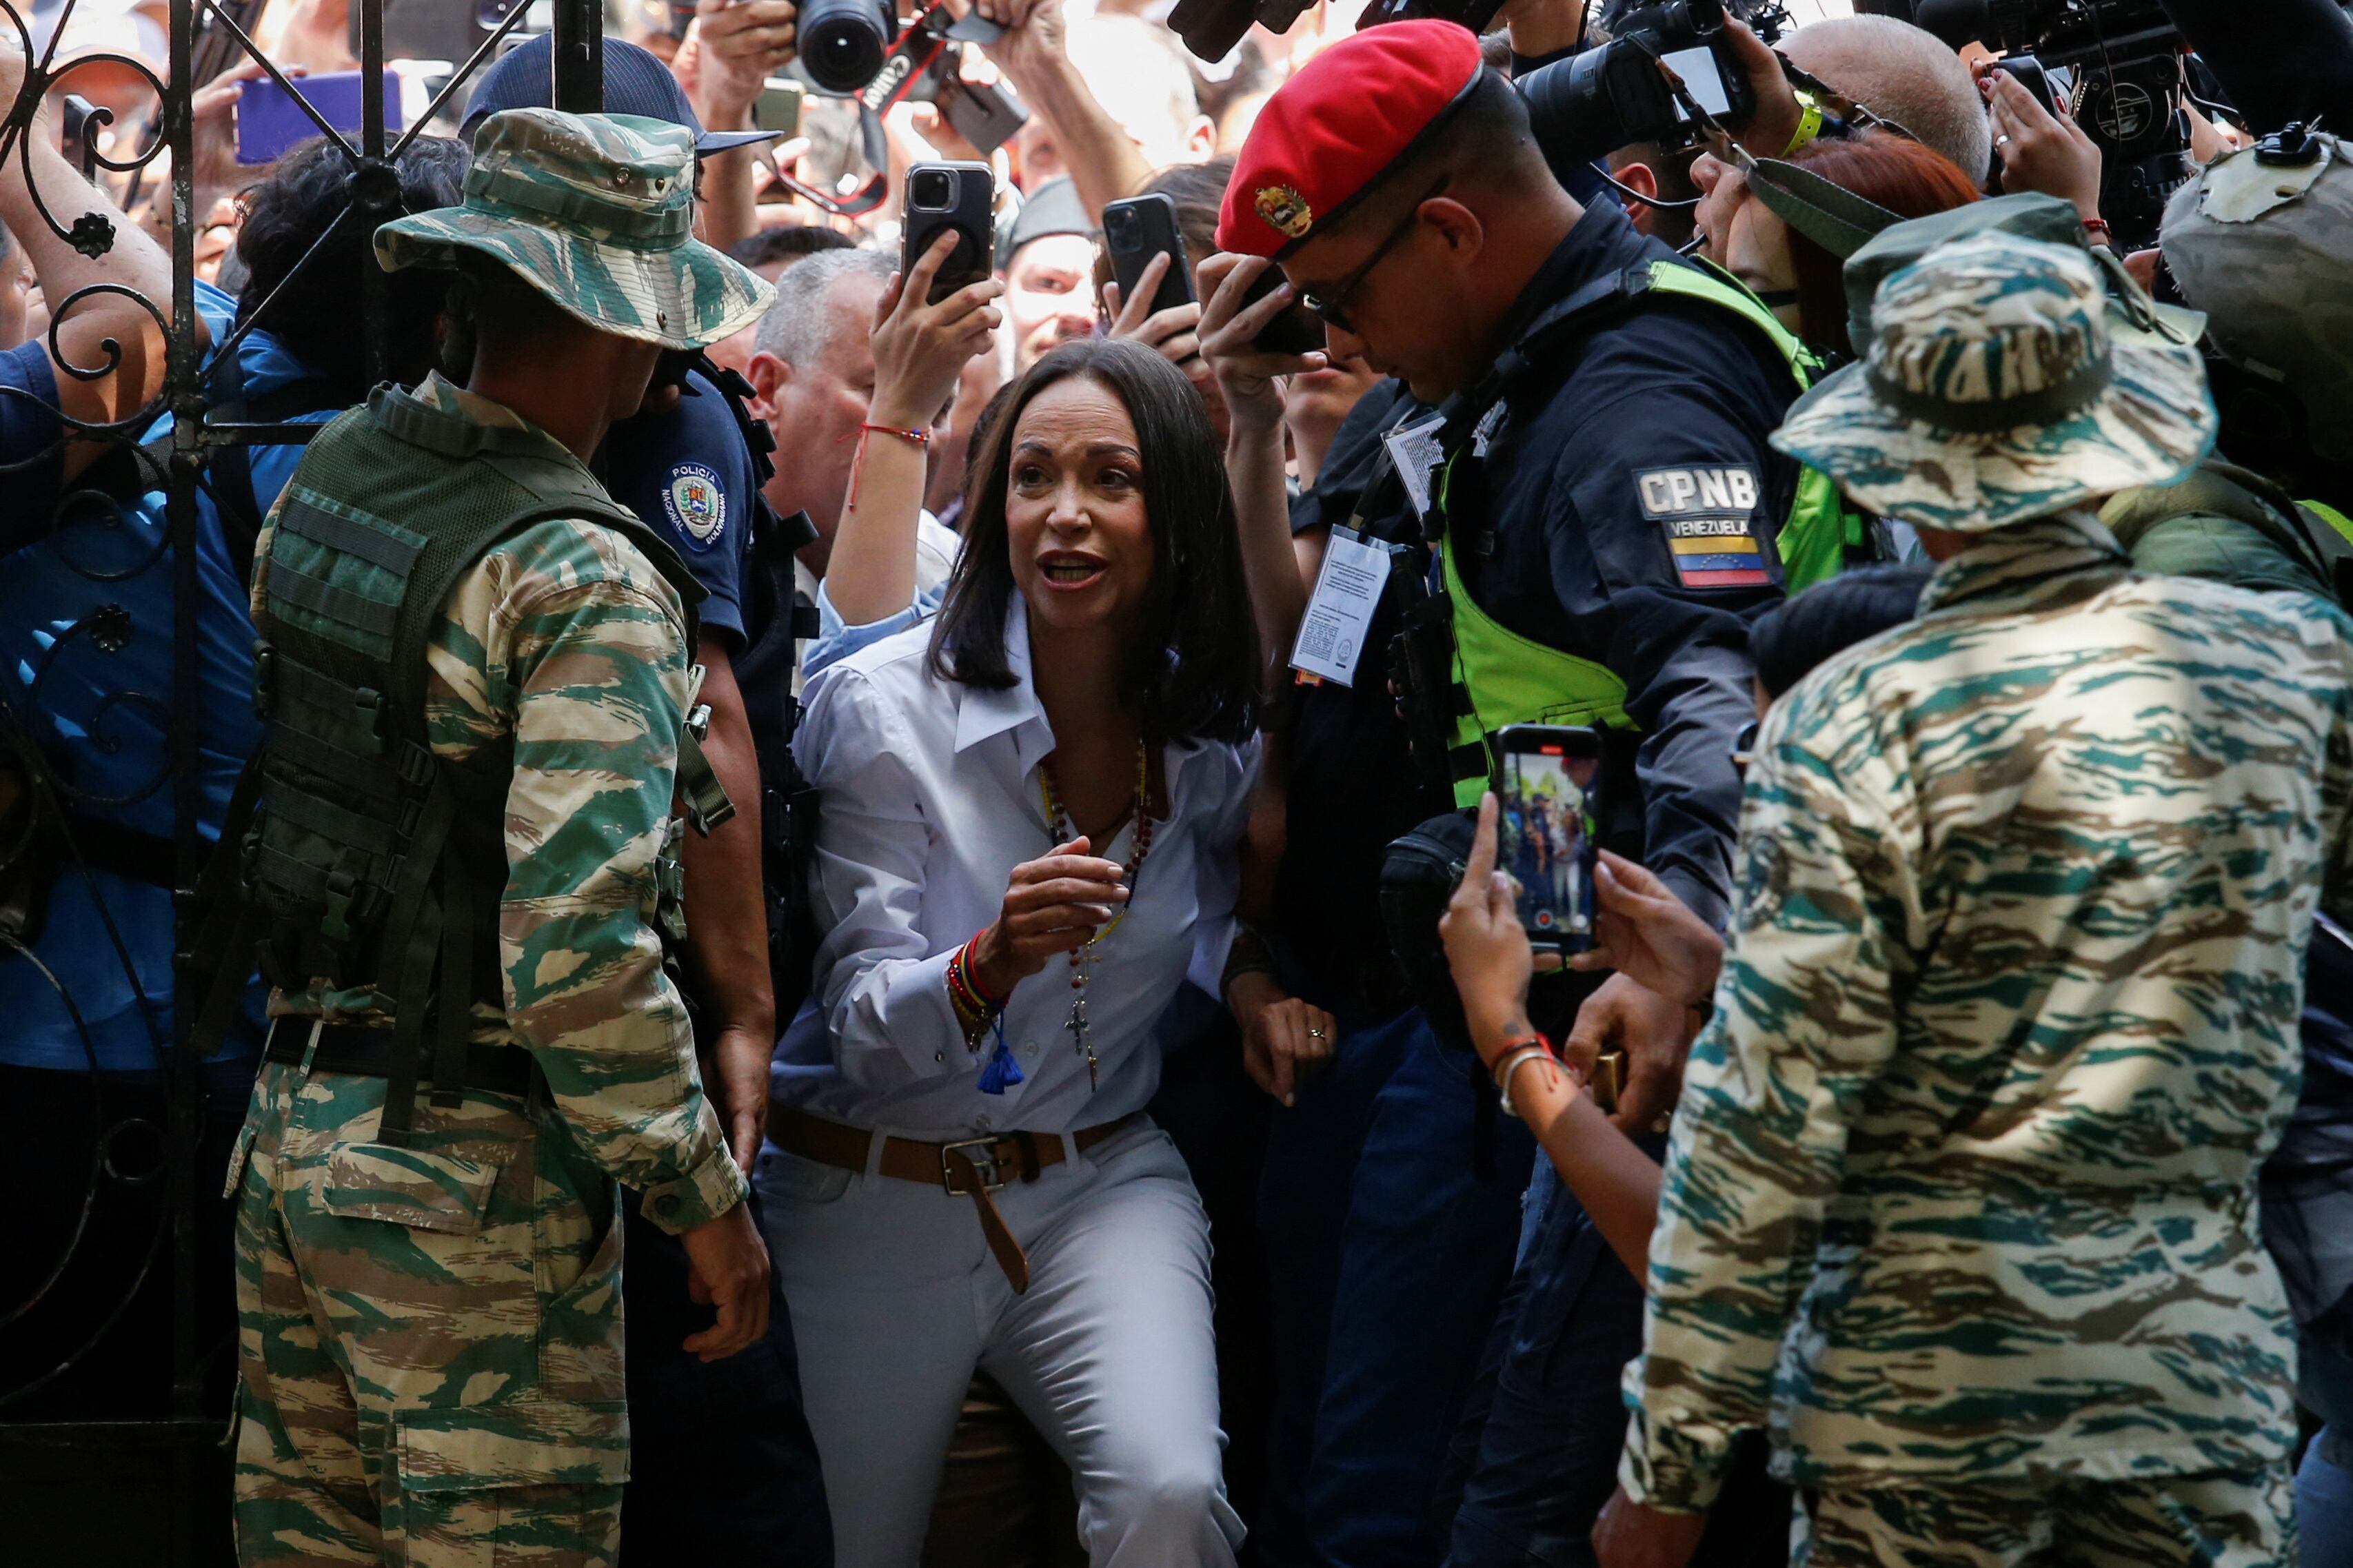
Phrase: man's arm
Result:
[1805,1018]
[133,261]
[726,915]
[597,673]
[737,45]
[1105,161]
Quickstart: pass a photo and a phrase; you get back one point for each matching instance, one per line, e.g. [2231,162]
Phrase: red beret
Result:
[1329,132]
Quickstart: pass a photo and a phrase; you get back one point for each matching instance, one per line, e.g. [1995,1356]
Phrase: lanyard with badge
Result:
[1355,570]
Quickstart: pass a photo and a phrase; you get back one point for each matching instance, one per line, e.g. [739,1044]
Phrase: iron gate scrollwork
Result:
[127,1151]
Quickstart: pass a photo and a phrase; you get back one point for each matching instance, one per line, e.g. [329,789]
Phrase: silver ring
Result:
[1316,1034]
[2001,141]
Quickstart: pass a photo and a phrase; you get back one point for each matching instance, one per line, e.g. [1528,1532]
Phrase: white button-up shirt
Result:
[928,799]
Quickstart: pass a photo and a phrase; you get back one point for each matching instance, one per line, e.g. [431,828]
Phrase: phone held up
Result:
[958,198]
[1543,834]
[1134,231]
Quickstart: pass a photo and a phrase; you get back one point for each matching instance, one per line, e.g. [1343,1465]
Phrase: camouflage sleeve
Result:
[583,644]
[1805,1019]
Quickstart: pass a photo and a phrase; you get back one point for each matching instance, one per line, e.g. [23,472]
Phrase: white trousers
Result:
[896,1298]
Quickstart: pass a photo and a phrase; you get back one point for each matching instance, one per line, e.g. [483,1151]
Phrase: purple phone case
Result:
[269,120]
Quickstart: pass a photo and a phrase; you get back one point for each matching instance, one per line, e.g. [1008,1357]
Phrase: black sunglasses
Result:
[1330,305]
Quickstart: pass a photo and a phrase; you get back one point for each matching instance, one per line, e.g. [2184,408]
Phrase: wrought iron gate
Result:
[185,1447]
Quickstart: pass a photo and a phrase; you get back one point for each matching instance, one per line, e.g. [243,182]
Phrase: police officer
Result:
[1606,510]
[475,666]
[726,1463]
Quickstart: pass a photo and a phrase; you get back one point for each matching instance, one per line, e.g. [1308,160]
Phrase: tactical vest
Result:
[1502,678]
[356,853]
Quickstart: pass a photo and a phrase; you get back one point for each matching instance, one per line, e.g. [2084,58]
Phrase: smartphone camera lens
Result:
[1119,228]
[933,190]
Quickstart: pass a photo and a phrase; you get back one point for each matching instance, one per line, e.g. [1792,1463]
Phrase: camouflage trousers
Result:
[2220,1520]
[430,1336]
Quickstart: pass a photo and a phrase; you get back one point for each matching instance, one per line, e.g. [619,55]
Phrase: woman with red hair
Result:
[1792,274]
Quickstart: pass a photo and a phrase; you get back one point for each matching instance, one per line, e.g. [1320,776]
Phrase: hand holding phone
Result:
[1545,835]
[942,198]
[1134,231]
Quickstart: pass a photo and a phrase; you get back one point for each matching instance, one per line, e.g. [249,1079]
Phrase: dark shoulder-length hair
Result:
[1190,667]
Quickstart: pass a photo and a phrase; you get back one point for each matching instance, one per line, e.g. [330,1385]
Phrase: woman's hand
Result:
[1285,1041]
[921,348]
[1649,935]
[1052,904]
[1246,373]
[2041,151]
[1486,948]
[1175,331]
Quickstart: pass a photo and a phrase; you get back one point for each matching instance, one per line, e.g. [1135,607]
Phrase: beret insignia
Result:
[1285,210]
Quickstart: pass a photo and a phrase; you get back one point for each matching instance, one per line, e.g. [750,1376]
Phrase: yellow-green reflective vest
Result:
[1505,678]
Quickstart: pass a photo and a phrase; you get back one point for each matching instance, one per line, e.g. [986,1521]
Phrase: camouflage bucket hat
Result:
[2262,243]
[596,212]
[1994,392]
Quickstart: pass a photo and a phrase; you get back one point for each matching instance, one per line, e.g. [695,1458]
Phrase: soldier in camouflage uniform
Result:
[431,1326]
[1959,1204]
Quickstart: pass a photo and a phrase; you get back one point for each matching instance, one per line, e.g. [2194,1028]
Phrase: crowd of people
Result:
[822,905]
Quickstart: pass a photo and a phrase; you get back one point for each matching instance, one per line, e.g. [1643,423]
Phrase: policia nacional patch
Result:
[1706,515]
[697,504]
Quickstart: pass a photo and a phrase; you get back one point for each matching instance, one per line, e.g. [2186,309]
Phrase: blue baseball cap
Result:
[636,82]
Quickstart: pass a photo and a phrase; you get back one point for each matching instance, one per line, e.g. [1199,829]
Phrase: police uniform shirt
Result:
[687,476]
[1634,501]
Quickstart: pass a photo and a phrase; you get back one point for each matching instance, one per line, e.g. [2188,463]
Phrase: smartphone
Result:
[681,18]
[1134,231]
[269,120]
[1296,331]
[961,197]
[779,106]
[1545,835]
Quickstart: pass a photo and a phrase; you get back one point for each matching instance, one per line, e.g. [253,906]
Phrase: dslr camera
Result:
[1595,103]
[858,48]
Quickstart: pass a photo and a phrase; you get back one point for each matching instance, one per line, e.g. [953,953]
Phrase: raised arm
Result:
[91,333]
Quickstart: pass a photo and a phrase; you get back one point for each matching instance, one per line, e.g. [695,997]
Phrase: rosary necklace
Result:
[1083,958]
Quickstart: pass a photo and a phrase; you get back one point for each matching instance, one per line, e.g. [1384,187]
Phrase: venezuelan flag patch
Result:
[1706,514]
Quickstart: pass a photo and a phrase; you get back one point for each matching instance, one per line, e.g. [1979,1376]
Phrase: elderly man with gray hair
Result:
[853,373]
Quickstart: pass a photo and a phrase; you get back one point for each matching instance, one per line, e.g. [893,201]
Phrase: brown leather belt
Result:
[977,1166]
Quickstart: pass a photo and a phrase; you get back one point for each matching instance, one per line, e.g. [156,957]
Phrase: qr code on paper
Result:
[1316,636]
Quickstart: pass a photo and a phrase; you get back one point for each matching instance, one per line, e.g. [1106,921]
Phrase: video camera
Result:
[2119,64]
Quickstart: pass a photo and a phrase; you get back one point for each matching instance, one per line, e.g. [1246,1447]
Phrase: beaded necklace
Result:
[1083,958]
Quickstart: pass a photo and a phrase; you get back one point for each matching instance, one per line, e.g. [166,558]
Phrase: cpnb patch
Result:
[696,504]
[1705,513]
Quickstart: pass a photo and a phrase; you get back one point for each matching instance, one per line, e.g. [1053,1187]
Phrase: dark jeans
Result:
[721,1465]
[1388,1252]
[1535,1456]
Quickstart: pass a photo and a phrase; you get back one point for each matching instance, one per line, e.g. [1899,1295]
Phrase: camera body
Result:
[1605,98]
[2123,59]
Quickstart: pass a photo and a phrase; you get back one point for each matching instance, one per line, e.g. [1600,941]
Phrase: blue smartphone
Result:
[269,120]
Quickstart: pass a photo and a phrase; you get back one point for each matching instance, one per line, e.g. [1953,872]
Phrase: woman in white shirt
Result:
[1029,818]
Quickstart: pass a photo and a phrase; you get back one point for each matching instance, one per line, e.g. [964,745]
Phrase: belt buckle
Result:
[982,1154]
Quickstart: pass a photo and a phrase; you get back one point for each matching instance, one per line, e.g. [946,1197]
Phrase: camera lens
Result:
[1119,227]
[844,42]
[933,190]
